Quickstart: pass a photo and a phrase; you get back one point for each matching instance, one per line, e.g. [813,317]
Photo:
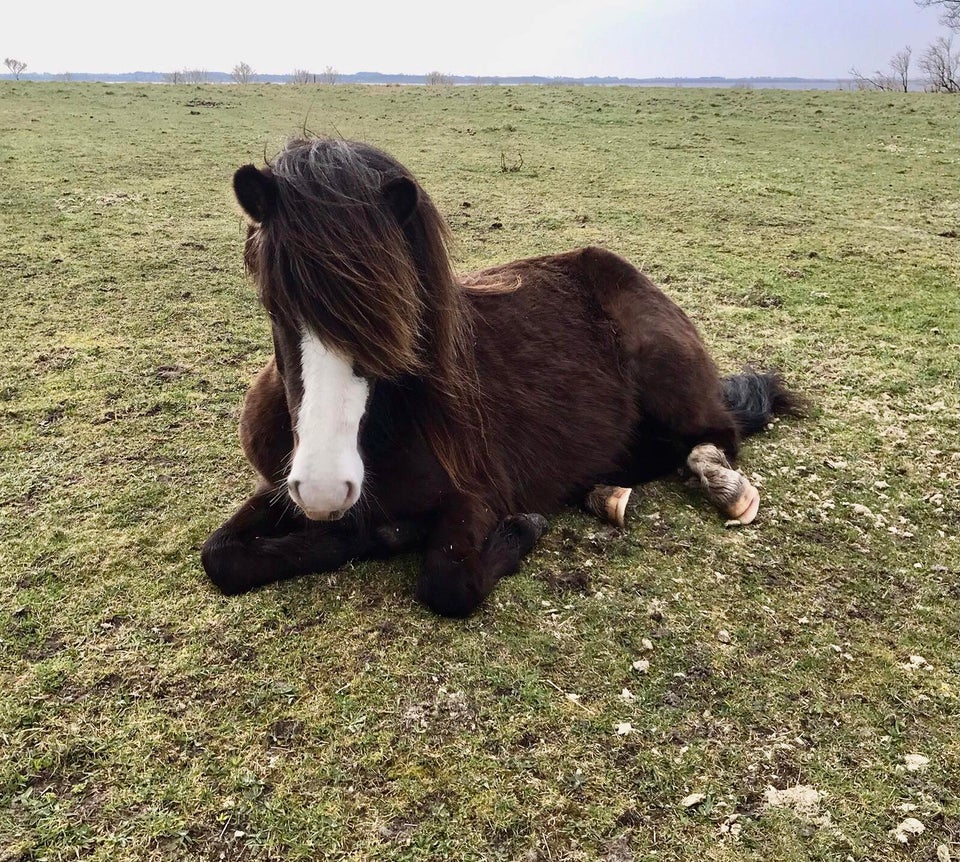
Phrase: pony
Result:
[405,408]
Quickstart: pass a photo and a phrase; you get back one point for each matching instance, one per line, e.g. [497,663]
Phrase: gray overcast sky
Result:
[642,38]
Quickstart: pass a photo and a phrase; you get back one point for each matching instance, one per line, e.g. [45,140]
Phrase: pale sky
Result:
[642,38]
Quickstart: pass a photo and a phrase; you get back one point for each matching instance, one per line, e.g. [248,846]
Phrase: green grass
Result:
[143,716]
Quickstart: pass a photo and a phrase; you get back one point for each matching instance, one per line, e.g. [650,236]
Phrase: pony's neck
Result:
[449,410]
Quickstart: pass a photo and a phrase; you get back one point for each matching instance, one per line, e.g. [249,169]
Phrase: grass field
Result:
[145,717]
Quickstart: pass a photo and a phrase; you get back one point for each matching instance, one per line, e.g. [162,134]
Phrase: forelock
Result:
[334,259]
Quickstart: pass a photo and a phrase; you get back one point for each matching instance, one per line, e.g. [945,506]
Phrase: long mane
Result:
[335,257]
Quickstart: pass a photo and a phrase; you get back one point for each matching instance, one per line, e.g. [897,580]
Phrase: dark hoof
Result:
[527,528]
[221,561]
[447,596]
[538,521]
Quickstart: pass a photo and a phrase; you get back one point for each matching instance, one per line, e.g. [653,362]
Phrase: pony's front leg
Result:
[269,540]
[468,552]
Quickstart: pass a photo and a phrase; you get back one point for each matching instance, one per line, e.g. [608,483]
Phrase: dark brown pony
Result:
[405,408]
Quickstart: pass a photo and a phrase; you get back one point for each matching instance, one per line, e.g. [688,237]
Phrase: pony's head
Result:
[350,259]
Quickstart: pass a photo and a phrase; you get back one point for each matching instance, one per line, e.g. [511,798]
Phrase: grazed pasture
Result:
[143,716]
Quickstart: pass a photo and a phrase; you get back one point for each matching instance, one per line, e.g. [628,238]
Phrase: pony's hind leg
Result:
[728,489]
[610,503]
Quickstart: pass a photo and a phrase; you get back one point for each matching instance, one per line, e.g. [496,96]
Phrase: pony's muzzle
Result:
[318,505]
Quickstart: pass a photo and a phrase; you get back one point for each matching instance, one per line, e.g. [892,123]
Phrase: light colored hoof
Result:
[616,508]
[609,503]
[747,504]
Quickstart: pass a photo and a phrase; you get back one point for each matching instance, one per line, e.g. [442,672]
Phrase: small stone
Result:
[692,800]
[908,830]
[724,636]
[646,644]
[641,665]
[624,728]
[627,695]
[731,826]
[915,762]
[943,853]
[803,799]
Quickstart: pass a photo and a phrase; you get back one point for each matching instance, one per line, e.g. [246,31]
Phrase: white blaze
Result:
[327,471]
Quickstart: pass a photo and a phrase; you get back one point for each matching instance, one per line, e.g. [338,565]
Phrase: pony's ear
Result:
[402,196]
[256,192]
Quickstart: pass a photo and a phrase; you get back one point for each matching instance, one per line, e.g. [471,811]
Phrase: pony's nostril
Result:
[293,485]
[350,489]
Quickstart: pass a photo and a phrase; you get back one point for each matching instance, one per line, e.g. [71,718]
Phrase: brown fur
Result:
[514,390]
[265,406]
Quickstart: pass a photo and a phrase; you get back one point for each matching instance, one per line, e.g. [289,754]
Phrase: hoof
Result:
[447,594]
[538,522]
[729,490]
[747,505]
[527,528]
[224,568]
[609,503]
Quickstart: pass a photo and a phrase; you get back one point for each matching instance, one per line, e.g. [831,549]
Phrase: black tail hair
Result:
[754,397]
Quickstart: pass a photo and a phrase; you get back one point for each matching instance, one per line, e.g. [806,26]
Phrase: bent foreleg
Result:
[459,573]
[267,540]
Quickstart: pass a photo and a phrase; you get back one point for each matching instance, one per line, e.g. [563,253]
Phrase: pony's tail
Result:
[754,397]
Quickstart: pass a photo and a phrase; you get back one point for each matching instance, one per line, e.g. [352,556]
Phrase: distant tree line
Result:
[244,73]
[328,76]
[187,76]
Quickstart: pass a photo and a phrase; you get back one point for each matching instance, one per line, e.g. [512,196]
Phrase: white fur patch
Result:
[327,471]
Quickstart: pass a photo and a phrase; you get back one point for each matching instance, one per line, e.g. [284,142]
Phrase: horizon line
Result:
[255,76]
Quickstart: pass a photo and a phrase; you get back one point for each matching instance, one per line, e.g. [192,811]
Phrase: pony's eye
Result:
[360,372]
